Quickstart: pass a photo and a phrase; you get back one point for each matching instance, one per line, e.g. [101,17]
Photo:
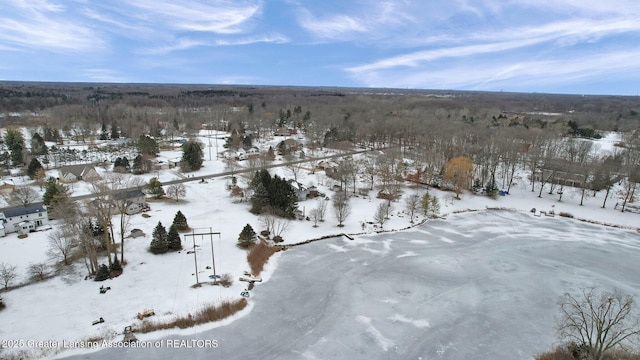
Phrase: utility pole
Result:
[195,258]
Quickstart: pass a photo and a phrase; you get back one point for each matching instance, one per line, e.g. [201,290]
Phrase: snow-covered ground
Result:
[64,307]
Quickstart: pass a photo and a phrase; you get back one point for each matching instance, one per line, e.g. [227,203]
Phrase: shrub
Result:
[566,214]
[102,274]
[226,280]
[116,267]
[205,315]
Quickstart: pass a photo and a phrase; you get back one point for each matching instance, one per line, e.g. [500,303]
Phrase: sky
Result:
[560,46]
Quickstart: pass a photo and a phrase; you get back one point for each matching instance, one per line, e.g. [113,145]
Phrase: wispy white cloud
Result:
[221,16]
[365,20]
[331,27]
[186,44]
[498,74]
[41,32]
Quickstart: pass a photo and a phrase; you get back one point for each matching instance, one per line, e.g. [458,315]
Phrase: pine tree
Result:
[192,156]
[180,221]
[114,130]
[116,266]
[159,244]
[103,132]
[102,274]
[34,166]
[38,146]
[259,200]
[247,237]
[154,187]
[173,239]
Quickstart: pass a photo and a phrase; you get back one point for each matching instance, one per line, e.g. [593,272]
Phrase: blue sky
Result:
[560,46]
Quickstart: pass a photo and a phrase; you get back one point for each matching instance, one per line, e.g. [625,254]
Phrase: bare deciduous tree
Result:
[25,195]
[380,216]
[601,320]
[293,167]
[8,273]
[322,209]
[38,271]
[314,215]
[411,203]
[177,191]
[61,244]
[341,207]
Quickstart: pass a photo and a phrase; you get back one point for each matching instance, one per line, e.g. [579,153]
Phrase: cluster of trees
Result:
[272,194]
[163,241]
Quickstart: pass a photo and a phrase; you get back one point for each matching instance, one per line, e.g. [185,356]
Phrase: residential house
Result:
[561,172]
[7,186]
[23,219]
[73,173]
[329,167]
[302,192]
[247,152]
[282,132]
[134,200]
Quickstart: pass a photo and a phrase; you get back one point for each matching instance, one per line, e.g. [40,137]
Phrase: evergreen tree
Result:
[147,146]
[103,132]
[34,166]
[491,189]
[259,200]
[180,221]
[173,239]
[116,266]
[53,192]
[16,154]
[276,193]
[159,243]
[114,130]
[102,274]
[192,156]
[141,165]
[247,237]
[38,146]
[154,187]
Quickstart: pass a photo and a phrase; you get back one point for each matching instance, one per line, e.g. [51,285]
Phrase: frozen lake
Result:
[477,286]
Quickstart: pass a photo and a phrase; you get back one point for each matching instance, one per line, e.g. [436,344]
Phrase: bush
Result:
[226,280]
[116,267]
[102,274]
[566,214]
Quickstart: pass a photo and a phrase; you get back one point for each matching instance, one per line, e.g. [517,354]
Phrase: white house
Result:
[23,219]
[247,152]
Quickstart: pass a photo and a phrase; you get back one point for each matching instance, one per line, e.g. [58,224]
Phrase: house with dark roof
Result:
[73,173]
[134,200]
[23,219]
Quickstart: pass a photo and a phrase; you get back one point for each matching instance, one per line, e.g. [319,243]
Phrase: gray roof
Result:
[23,210]
[77,170]
[128,194]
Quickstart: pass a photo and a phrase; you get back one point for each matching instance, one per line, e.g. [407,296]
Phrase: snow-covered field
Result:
[497,253]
